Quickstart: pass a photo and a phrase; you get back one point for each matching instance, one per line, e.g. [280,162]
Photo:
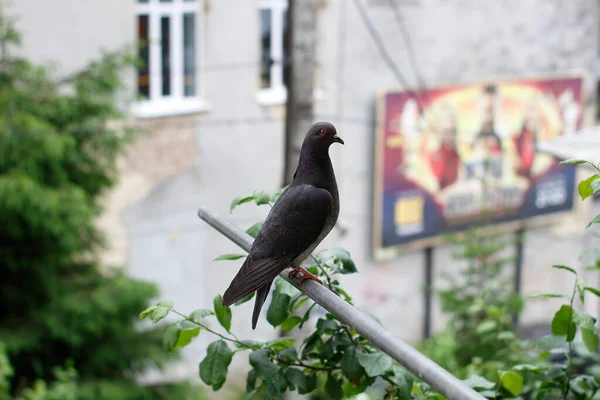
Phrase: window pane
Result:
[189,54]
[165,1]
[144,55]
[265,39]
[165,48]
[142,1]
[285,48]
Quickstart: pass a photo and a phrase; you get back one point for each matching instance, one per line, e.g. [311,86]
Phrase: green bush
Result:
[57,158]
[481,305]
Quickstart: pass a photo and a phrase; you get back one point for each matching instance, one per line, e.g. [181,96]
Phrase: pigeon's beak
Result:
[338,139]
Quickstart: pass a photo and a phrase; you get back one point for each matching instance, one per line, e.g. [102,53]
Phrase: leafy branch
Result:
[333,358]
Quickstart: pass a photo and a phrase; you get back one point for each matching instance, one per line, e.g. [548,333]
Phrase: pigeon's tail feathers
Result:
[261,297]
[253,275]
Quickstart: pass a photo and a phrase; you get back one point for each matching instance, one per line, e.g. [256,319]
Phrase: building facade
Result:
[211,101]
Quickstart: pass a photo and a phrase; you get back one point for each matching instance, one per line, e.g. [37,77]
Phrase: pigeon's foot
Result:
[300,274]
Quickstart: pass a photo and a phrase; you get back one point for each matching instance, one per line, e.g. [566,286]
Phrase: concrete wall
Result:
[69,33]
[180,163]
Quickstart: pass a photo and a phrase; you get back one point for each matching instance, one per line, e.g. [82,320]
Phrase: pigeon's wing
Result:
[295,222]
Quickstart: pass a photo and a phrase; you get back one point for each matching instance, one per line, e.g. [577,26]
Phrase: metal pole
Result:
[519,238]
[428,290]
[421,366]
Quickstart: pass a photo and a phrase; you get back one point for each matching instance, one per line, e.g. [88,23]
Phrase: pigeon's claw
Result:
[300,274]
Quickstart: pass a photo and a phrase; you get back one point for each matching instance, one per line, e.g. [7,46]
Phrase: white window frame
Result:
[276,94]
[175,103]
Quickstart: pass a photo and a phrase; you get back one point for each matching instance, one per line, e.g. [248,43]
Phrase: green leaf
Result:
[513,382]
[333,387]
[240,200]
[277,193]
[280,343]
[284,287]
[289,354]
[199,315]
[585,186]
[595,185]
[276,387]
[229,257]
[583,384]
[343,256]
[354,388]
[245,344]
[147,311]
[344,294]
[327,351]
[573,161]
[171,335]
[304,383]
[584,320]
[179,334]
[261,197]
[548,295]
[592,290]
[310,343]
[565,268]
[589,332]
[528,368]
[404,381]
[278,309]
[590,339]
[245,299]
[157,312]
[222,312]
[343,341]
[550,342]
[594,221]
[250,394]
[290,323]
[506,335]
[254,229]
[300,303]
[251,381]
[213,369]
[351,367]
[478,382]
[189,330]
[374,364]
[326,326]
[562,323]
[486,326]
[259,360]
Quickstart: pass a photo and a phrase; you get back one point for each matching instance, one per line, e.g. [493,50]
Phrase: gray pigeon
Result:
[300,219]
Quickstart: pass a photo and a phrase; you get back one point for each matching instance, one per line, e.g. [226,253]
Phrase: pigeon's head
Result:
[321,135]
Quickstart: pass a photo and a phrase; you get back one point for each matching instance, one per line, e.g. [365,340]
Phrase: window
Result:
[167,82]
[273,51]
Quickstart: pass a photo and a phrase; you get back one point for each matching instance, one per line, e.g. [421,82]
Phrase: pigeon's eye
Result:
[323,132]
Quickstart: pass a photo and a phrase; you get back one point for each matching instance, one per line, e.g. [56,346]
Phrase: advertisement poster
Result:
[447,158]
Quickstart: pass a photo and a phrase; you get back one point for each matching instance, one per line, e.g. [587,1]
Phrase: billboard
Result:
[448,158]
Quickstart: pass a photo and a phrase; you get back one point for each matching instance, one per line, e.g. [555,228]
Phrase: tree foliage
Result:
[58,152]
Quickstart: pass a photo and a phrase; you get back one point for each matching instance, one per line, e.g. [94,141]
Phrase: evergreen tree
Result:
[58,305]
